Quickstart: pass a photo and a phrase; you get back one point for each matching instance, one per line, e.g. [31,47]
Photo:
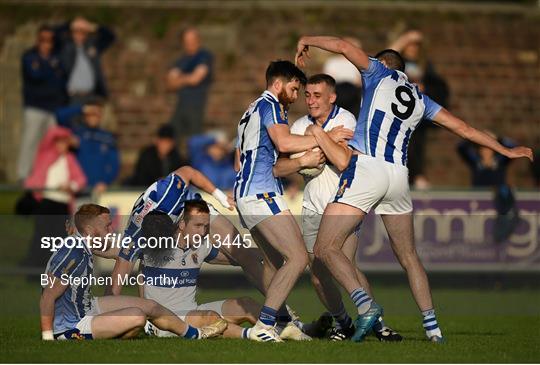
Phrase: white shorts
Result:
[373,183]
[254,209]
[216,306]
[85,324]
[311,221]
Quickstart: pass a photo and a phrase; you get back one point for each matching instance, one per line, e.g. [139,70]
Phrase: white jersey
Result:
[174,283]
[321,190]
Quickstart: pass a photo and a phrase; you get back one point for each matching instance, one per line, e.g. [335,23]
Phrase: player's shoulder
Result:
[345,114]
[299,126]
[343,117]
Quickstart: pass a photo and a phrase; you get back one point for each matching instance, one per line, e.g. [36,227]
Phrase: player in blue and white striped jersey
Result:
[68,309]
[166,195]
[263,133]
[377,176]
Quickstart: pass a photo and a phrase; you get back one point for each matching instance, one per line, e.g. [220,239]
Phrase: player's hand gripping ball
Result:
[309,172]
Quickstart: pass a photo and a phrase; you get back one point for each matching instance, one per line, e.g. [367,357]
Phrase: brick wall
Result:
[488,55]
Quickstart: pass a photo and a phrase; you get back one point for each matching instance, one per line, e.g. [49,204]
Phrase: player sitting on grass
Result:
[324,115]
[171,274]
[68,309]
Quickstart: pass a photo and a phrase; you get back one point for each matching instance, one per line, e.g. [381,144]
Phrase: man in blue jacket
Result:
[97,152]
[44,82]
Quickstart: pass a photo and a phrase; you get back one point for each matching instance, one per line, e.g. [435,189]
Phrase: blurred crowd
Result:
[65,152]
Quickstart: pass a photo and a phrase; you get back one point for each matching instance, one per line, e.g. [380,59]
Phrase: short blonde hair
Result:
[86,213]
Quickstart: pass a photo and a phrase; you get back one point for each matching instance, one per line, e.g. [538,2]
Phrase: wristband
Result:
[47,335]
[221,197]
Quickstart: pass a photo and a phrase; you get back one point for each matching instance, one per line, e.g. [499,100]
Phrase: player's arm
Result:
[445,119]
[285,166]
[110,253]
[286,142]
[332,44]
[336,152]
[121,269]
[219,258]
[46,305]
[197,178]
[237,164]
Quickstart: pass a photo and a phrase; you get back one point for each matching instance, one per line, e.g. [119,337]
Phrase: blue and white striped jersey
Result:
[173,284]
[75,302]
[166,195]
[257,151]
[391,109]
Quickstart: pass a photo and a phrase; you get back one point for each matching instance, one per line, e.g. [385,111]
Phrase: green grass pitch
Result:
[480,325]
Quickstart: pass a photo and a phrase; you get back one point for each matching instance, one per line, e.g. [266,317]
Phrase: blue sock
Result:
[268,316]
[245,333]
[430,323]
[191,333]
[342,318]
[361,300]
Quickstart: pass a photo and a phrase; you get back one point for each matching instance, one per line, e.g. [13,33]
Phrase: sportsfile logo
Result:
[118,240]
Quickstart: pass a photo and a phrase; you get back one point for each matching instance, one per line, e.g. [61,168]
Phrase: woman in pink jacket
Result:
[55,178]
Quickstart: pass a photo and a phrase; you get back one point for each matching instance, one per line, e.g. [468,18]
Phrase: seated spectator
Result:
[158,159]
[535,169]
[96,151]
[81,44]
[55,178]
[44,82]
[212,155]
[488,168]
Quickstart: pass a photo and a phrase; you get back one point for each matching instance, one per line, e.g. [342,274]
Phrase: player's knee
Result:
[152,307]
[409,259]
[211,316]
[320,252]
[137,318]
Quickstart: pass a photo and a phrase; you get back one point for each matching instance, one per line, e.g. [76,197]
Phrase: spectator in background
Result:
[420,71]
[212,154]
[488,170]
[43,92]
[158,159]
[348,80]
[190,77]
[96,148]
[535,169]
[55,178]
[81,45]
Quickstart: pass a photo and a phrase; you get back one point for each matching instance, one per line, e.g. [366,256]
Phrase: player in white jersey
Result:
[68,309]
[263,133]
[377,176]
[168,195]
[319,191]
[171,276]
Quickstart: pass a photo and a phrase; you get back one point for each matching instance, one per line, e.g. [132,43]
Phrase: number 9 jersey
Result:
[391,109]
